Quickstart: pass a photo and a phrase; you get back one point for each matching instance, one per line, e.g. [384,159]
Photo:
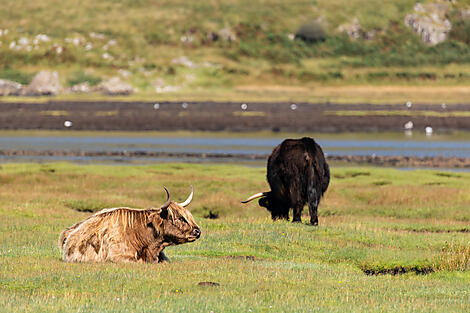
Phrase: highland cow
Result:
[297,174]
[130,235]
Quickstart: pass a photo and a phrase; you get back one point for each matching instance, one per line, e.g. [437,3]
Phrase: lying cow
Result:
[297,174]
[130,235]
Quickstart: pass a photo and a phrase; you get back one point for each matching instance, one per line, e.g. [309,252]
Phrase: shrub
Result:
[311,32]
[16,76]
[79,77]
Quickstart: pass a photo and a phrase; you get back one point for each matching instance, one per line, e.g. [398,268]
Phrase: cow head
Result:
[174,222]
[271,203]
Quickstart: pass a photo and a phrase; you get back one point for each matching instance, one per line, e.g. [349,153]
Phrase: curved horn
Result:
[167,203]
[256,196]
[190,198]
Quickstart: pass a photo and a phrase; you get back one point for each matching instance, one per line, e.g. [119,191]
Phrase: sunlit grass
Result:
[260,265]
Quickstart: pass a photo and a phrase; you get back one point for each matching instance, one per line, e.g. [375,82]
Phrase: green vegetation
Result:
[16,76]
[409,226]
[229,43]
[79,77]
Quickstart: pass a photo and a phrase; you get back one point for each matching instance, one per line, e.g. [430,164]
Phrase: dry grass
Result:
[455,256]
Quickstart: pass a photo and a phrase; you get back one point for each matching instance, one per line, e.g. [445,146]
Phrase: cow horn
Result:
[190,198]
[256,196]
[167,203]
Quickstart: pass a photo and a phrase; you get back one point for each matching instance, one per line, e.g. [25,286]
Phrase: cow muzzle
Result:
[196,232]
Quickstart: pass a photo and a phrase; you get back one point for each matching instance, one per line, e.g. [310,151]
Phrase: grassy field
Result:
[143,42]
[372,221]
[356,94]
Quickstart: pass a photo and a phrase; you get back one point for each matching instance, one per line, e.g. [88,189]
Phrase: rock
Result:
[465,13]
[184,61]
[430,22]
[45,83]
[115,86]
[212,36]
[162,87]
[227,34]
[353,29]
[356,31]
[81,88]
[10,88]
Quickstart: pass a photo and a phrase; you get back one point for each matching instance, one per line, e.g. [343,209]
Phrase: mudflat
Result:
[232,116]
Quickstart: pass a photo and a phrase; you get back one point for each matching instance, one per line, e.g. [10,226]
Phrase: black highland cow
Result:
[297,174]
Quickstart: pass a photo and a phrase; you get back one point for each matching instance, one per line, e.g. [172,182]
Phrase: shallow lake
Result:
[239,144]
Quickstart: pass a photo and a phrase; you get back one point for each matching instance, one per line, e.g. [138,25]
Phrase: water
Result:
[332,145]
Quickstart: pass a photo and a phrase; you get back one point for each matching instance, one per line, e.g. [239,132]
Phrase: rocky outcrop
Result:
[429,21]
[225,34]
[45,83]
[115,87]
[355,31]
[81,88]
[10,88]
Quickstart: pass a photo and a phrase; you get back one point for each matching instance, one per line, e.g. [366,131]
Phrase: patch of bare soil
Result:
[399,270]
[242,257]
[208,284]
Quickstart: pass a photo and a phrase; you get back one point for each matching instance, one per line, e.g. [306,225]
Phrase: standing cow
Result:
[297,174]
[130,235]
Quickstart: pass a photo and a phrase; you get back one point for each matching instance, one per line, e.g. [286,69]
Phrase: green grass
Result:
[263,266]
[97,40]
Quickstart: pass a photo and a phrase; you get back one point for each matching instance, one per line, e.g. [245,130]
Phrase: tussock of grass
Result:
[455,256]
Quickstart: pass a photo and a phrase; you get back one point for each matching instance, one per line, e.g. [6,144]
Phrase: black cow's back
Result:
[293,166]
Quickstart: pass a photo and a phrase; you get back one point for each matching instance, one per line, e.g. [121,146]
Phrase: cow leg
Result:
[162,257]
[297,214]
[312,206]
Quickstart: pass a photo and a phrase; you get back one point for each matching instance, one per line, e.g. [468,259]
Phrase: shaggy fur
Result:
[128,235]
[297,174]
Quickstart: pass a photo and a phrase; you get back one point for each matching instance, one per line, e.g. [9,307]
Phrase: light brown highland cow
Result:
[130,235]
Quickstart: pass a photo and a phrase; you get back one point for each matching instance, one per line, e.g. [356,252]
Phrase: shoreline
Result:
[385,161]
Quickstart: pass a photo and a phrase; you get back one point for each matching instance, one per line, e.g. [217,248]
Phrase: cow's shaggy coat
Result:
[128,235]
[297,173]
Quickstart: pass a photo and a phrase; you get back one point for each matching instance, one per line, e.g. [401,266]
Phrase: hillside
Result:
[163,46]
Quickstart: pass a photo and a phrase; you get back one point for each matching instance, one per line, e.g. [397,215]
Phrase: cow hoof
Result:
[314,223]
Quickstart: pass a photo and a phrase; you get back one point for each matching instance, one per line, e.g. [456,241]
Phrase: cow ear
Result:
[164,214]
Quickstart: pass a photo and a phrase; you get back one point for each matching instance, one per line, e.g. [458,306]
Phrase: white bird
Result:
[408,125]
[428,130]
